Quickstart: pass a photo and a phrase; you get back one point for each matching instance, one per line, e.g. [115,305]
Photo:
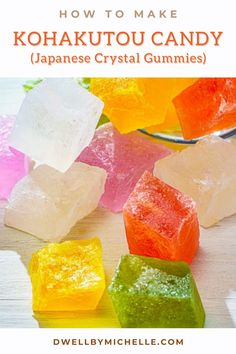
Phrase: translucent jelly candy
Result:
[67,276]
[134,103]
[171,122]
[125,158]
[207,106]
[47,203]
[149,292]
[206,172]
[13,164]
[161,221]
[56,122]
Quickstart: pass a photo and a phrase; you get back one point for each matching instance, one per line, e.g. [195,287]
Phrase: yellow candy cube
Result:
[67,276]
[134,103]
[171,122]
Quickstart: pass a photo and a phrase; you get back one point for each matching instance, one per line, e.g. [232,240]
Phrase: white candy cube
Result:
[56,121]
[48,203]
[206,172]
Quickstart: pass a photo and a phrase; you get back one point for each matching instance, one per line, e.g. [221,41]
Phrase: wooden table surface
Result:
[214,267]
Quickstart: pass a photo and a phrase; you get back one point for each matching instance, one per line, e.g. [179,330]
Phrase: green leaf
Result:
[103,119]
[84,82]
[30,84]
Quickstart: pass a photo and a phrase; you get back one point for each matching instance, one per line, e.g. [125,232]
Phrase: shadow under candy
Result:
[102,317]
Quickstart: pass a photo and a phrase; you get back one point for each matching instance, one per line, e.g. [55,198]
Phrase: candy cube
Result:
[134,103]
[161,221]
[125,158]
[67,276]
[56,122]
[206,172]
[171,122]
[47,203]
[13,164]
[149,292]
[207,106]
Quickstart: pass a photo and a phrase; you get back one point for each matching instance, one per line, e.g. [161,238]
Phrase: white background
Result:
[195,341]
[201,15]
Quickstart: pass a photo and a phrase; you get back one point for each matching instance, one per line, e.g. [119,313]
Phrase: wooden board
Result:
[214,267]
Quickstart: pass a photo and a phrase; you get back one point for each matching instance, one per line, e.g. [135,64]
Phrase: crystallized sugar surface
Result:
[160,221]
[47,203]
[56,122]
[67,276]
[13,164]
[149,292]
[207,173]
[125,157]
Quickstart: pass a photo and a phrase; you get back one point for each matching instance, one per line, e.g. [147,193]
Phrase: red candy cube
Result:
[160,221]
[208,105]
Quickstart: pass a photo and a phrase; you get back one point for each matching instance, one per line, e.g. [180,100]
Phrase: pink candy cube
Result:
[125,157]
[13,164]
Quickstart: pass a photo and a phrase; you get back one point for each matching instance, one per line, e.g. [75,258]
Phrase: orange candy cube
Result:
[160,221]
[207,106]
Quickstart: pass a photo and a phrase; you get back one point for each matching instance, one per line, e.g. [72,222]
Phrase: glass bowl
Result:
[178,138]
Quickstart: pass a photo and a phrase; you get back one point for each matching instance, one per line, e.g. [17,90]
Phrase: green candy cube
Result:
[150,292]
